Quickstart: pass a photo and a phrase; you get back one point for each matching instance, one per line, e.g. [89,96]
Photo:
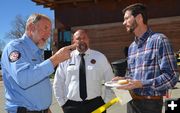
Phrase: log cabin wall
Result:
[111,38]
[170,26]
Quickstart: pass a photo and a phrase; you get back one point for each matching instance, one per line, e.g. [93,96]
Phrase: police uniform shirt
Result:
[26,76]
[66,81]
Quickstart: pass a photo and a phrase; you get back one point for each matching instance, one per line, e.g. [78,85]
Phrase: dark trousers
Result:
[24,110]
[145,106]
[86,106]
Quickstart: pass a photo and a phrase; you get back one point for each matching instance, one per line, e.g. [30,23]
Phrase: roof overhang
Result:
[53,3]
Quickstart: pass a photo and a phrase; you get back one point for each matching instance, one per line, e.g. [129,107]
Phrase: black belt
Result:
[25,110]
[85,101]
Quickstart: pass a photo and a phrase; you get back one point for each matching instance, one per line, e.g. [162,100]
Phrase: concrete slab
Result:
[116,108]
[55,108]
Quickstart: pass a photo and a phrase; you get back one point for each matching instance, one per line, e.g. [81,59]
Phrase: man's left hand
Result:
[133,84]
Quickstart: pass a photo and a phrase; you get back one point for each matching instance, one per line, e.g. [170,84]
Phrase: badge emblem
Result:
[93,61]
[14,56]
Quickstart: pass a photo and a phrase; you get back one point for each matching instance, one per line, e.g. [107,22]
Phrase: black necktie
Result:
[82,78]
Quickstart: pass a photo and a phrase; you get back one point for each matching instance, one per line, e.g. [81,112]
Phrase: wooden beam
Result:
[71,1]
[74,3]
[119,0]
[96,1]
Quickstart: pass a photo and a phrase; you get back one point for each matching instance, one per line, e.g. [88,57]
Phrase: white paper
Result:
[123,95]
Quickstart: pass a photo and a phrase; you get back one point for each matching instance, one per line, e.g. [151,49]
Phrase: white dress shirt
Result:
[66,81]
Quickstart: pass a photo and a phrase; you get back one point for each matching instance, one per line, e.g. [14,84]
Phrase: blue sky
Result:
[10,8]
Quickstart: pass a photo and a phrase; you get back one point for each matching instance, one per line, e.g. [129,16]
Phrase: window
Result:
[64,38]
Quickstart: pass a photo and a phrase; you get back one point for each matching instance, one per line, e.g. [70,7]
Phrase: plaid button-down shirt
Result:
[151,60]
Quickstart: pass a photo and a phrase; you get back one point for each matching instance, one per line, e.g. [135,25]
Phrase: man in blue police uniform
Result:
[24,71]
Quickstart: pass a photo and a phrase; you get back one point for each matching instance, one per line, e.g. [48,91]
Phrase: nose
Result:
[48,34]
[124,23]
[82,40]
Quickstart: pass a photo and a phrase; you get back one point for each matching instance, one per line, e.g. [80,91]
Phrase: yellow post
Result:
[105,106]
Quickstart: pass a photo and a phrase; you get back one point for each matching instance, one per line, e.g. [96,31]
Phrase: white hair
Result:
[34,18]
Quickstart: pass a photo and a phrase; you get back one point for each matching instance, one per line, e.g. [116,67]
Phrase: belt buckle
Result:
[83,102]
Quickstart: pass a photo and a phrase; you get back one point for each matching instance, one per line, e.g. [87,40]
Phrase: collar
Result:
[142,39]
[86,53]
[31,44]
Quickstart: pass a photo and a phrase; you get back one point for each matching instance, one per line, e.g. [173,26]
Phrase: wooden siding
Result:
[111,38]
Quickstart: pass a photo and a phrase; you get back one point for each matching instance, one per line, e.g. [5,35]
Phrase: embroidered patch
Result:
[14,56]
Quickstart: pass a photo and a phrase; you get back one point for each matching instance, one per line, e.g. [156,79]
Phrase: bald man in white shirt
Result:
[67,82]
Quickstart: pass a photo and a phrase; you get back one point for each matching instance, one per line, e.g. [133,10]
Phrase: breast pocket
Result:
[92,72]
[149,58]
[72,72]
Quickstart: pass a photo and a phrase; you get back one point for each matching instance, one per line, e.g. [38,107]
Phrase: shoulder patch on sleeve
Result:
[14,56]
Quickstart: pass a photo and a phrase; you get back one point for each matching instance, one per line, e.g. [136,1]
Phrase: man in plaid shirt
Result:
[152,67]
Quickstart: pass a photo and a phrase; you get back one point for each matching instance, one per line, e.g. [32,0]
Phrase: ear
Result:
[72,41]
[139,18]
[31,27]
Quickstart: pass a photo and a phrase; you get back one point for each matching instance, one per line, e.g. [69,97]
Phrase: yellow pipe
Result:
[105,106]
[178,63]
